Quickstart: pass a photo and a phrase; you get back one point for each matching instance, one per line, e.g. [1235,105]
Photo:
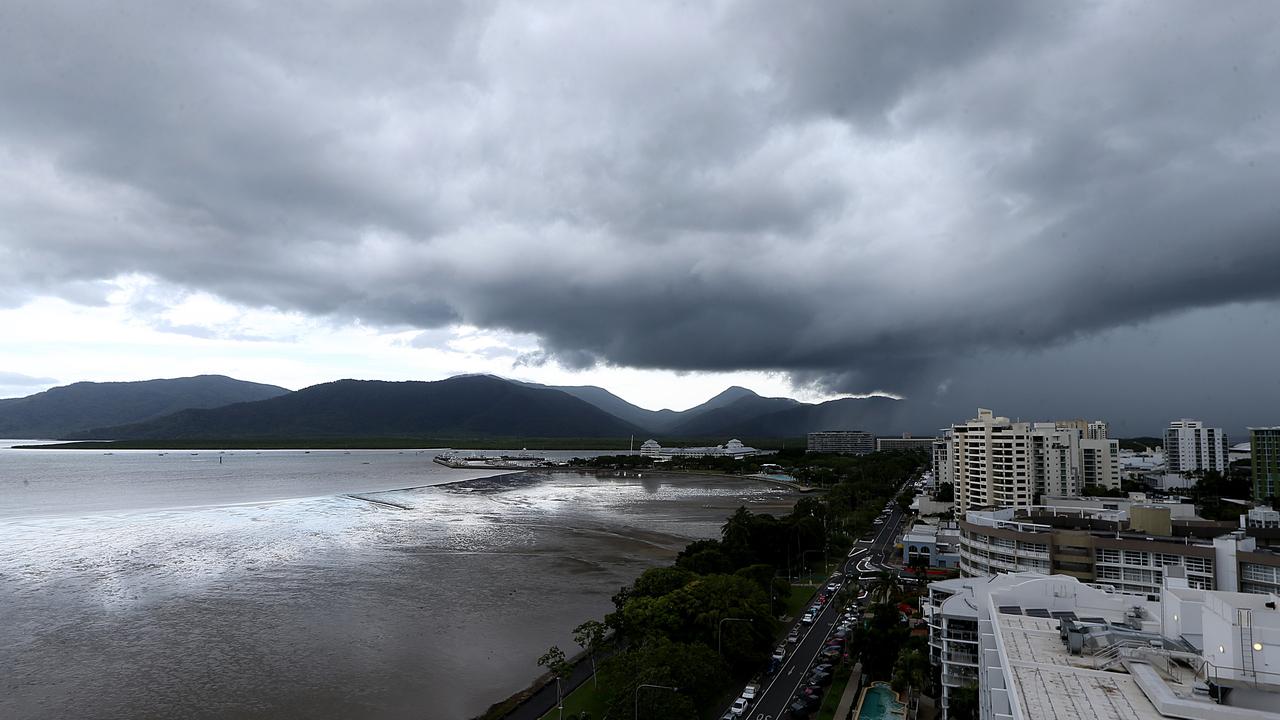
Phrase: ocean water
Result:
[312,585]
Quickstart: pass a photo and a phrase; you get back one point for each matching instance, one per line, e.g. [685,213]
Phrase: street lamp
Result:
[805,554]
[720,629]
[647,685]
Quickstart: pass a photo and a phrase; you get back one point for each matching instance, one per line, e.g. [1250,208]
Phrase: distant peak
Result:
[735,392]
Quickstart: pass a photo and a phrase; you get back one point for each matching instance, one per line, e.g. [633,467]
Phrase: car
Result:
[813,691]
[833,586]
[807,619]
[793,636]
[832,653]
[780,653]
[750,691]
[739,707]
[820,678]
[801,709]
[822,667]
[728,715]
[842,633]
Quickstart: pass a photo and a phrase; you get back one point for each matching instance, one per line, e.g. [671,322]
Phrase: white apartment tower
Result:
[1190,446]
[994,462]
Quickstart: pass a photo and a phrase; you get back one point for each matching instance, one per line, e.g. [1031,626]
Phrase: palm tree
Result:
[886,587]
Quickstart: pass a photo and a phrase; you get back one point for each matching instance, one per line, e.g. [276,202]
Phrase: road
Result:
[866,560]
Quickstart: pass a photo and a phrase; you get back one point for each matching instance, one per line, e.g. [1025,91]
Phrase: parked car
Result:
[780,653]
[739,707]
[749,692]
[794,636]
[820,678]
[822,667]
[801,709]
[808,618]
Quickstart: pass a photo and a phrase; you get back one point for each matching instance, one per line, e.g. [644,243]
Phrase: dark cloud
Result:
[854,193]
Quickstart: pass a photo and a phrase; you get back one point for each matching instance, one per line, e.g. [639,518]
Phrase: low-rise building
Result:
[1050,647]
[849,442]
[906,442]
[935,546]
[1126,545]
[732,449]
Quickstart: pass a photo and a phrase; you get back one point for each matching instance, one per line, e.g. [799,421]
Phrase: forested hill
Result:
[70,409]
[464,406]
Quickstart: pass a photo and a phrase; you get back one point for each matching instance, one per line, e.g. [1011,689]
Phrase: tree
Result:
[886,588]
[589,635]
[946,492]
[964,703]
[554,661]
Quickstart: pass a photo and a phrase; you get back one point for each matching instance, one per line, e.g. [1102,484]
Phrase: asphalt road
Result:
[866,560]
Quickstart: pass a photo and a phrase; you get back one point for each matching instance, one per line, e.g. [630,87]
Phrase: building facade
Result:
[995,462]
[732,449]
[1130,549]
[906,442]
[1189,446]
[1264,461]
[848,442]
[1049,647]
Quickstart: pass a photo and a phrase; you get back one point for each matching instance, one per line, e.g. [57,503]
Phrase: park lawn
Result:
[799,600]
[832,698]
[585,698]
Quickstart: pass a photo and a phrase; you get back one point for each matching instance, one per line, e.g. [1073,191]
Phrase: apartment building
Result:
[849,442]
[1048,647]
[1129,548]
[994,462]
[1189,446]
[1264,460]
[905,442]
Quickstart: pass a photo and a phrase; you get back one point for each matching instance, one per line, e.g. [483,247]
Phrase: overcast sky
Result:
[1047,208]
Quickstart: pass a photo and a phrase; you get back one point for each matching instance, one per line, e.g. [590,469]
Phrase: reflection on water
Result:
[432,602]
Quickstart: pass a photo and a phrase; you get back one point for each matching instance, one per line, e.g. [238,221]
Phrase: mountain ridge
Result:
[80,406]
[475,406]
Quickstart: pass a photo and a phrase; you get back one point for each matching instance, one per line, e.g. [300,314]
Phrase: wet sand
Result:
[430,603]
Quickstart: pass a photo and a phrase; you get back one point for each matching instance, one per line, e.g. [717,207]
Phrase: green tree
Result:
[554,661]
[886,588]
[692,667]
[589,636]
[964,703]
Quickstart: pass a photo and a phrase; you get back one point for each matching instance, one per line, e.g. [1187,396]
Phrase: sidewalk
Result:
[850,694]
[543,700]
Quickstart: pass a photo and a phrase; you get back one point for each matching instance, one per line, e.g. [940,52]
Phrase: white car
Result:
[739,706]
[779,654]
[749,692]
[807,619]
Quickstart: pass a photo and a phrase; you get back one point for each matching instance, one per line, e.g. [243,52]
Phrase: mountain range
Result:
[63,411]
[466,406]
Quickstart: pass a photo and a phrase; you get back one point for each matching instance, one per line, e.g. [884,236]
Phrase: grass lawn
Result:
[832,697]
[584,698]
[799,599]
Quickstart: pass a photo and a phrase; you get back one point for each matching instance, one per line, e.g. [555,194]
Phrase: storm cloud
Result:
[847,192]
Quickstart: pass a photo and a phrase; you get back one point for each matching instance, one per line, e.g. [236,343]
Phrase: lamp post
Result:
[805,554]
[720,629]
[647,685]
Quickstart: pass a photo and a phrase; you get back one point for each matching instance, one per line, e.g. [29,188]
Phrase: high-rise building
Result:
[1189,446]
[995,462]
[1264,458]
[1097,430]
[851,442]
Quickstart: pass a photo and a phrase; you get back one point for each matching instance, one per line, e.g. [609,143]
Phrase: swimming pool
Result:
[880,702]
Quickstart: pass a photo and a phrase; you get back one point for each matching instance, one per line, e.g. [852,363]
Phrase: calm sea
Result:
[287,584]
